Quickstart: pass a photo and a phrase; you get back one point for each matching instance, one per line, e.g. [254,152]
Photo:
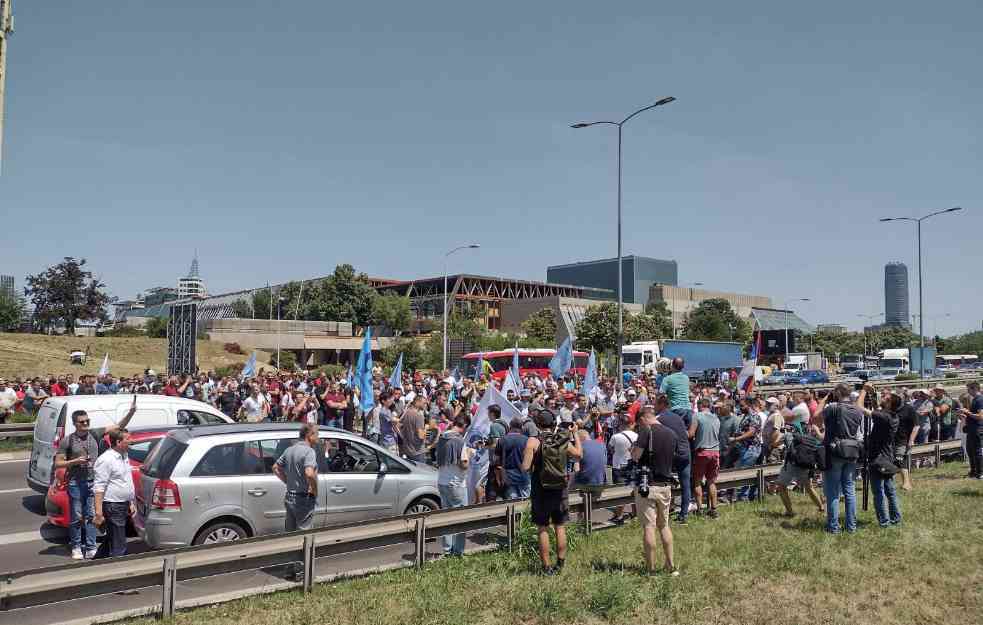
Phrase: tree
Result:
[598,329]
[646,328]
[412,351]
[242,309]
[393,312]
[156,327]
[660,312]
[342,296]
[261,304]
[11,311]
[540,328]
[971,343]
[715,320]
[65,294]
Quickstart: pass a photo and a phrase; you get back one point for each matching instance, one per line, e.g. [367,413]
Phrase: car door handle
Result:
[338,489]
[256,492]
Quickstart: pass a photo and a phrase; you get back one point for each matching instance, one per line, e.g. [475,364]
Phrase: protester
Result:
[973,428]
[297,469]
[803,454]
[621,445]
[592,466]
[904,438]
[882,465]
[655,449]
[945,415]
[413,430]
[682,462]
[747,441]
[842,421]
[546,457]
[511,449]
[704,431]
[452,470]
[112,488]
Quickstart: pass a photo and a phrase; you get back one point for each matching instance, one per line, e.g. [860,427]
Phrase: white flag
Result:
[104,369]
[480,424]
[508,384]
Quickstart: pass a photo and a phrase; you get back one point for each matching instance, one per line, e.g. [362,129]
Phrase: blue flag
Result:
[515,367]
[351,377]
[396,380]
[363,373]
[562,361]
[456,374]
[479,369]
[249,369]
[590,377]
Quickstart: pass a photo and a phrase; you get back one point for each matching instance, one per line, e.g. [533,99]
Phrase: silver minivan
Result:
[54,424]
[216,484]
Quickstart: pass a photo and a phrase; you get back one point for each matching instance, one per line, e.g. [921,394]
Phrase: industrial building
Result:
[567,311]
[638,275]
[681,300]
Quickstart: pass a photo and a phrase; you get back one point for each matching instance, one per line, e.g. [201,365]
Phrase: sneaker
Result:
[77,553]
[673,572]
[713,514]
[559,565]
[681,520]
[549,571]
[90,554]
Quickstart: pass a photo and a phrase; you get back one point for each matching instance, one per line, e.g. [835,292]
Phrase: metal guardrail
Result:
[66,582]
[12,430]
[927,382]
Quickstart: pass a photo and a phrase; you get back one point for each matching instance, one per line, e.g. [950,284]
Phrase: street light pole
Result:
[868,318]
[621,303]
[472,246]
[921,313]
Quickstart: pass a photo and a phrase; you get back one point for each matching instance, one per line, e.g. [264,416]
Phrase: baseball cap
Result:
[938,387]
[923,391]
[772,400]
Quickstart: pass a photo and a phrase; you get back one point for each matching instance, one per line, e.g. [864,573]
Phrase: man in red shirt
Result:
[334,402]
[173,390]
[59,388]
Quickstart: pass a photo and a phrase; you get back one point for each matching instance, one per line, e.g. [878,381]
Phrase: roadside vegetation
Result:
[751,566]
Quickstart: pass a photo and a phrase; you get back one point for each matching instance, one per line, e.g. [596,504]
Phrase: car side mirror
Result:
[383,468]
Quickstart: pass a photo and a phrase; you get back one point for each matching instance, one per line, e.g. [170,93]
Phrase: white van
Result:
[54,423]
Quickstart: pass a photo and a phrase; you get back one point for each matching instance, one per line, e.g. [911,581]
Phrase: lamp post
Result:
[798,299]
[868,318]
[921,313]
[621,305]
[672,313]
[279,304]
[472,246]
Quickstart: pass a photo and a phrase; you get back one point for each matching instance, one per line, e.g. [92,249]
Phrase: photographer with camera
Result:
[652,460]
[546,457]
[843,449]
[882,463]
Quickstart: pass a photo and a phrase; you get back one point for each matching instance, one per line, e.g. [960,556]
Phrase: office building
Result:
[7,285]
[831,328]
[638,275]
[896,312]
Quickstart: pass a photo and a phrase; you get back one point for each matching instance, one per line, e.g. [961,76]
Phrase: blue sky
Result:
[279,139]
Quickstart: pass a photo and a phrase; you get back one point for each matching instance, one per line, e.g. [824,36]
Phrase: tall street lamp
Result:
[472,246]
[921,313]
[798,299]
[621,304]
[672,313]
[279,304]
[869,318]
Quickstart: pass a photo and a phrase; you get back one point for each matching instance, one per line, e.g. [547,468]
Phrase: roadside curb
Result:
[16,455]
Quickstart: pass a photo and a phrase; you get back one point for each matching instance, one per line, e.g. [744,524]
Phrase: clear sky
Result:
[281,138]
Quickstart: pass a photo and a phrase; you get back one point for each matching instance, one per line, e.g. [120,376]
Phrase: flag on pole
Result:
[350,380]
[104,369]
[508,384]
[249,369]
[481,424]
[396,380]
[590,377]
[562,360]
[746,378]
[363,373]
[480,366]
[515,366]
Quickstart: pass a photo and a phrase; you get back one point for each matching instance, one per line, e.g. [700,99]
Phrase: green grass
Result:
[750,566]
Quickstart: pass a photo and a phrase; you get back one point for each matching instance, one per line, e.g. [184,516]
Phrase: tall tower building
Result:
[7,285]
[896,295]
[191,285]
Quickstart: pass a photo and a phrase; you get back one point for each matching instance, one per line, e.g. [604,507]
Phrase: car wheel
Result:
[223,532]
[423,504]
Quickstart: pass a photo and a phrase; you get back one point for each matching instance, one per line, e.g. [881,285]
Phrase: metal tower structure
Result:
[6,28]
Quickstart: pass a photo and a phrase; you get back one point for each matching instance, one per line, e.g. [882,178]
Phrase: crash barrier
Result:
[67,582]
[16,430]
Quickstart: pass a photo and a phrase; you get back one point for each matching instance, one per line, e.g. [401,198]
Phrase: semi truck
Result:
[699,356]
[895,359]
[852,362]
[805,361]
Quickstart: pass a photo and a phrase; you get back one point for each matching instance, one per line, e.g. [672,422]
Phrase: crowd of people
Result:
[549,435]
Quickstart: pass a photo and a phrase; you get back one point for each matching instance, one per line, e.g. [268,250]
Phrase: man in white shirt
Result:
[8,397]
[256,407]
[114,493]
[621,444]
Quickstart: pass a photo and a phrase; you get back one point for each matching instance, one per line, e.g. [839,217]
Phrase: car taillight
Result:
[59,433]
[166,496]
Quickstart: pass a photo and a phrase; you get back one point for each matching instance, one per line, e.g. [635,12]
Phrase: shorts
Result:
[791,474]
[653,511]
[549,506]
[706,465]
[902,453]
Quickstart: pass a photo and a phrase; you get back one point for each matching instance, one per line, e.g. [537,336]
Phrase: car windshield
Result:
[630,358]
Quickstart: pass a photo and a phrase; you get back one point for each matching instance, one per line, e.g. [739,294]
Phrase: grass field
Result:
[751,566]
[39,355]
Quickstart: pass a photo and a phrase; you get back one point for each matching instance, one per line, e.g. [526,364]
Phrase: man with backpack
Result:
[546,457]
[804,454]
[843,449]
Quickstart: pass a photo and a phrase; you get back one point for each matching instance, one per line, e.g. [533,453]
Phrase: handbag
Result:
[885,465]
[848,449]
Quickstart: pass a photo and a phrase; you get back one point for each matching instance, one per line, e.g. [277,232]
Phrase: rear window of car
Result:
[163,458]
[140,450]
[47,422]
[221,460]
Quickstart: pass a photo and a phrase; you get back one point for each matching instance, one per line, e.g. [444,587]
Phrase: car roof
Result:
[188,433]
[82,401]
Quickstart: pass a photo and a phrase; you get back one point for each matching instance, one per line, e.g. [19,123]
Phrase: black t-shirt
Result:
[907,420]
[675,423]
[228,403]
[884,429]
[658,445]
[842,421]
[973,426]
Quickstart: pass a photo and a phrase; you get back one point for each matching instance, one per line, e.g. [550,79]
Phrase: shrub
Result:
[124,332]
[230,371]
[904,377]
[333,371]
[288,360]
[233,348]
[951,374]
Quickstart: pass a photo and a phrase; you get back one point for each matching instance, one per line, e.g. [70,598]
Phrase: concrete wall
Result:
[263,332]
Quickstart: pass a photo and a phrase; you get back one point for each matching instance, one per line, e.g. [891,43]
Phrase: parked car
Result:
[883,375]
[776,377]
[216,484]
[142,442]
[812,376]
[54,423]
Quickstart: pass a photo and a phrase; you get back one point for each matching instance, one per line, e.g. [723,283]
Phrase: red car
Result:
[142,442]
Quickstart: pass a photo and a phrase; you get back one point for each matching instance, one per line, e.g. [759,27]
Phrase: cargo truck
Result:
[699,356]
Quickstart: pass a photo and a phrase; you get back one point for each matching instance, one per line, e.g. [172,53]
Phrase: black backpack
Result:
[807,452]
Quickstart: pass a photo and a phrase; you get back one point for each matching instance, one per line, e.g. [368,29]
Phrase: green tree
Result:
[393,312]
[342,296]
[715,320]
[646,328]
[156,327]
[412,351]
[540,328]
[11,311]
[890,338]
[598,329]
[971,343]
[242,309]
[660,312]
[261,304]
[65,294]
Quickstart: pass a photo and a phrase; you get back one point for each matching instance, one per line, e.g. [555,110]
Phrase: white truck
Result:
[804,361]
[895,359]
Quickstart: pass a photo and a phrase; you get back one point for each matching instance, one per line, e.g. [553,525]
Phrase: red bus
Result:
[536,361]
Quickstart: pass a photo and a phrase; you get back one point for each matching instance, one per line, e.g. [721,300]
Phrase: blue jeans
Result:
[116,515]
[81,510]
[924,428]
[748,458]
[685,472]
[518,491]
[453,497]
[889,512]
[837,480]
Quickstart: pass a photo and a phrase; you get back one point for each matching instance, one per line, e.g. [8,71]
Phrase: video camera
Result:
[639,474]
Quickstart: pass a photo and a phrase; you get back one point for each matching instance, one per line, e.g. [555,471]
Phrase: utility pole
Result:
[6,28]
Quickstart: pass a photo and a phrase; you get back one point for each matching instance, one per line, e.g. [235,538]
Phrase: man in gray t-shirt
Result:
[413,430]
[297,468]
